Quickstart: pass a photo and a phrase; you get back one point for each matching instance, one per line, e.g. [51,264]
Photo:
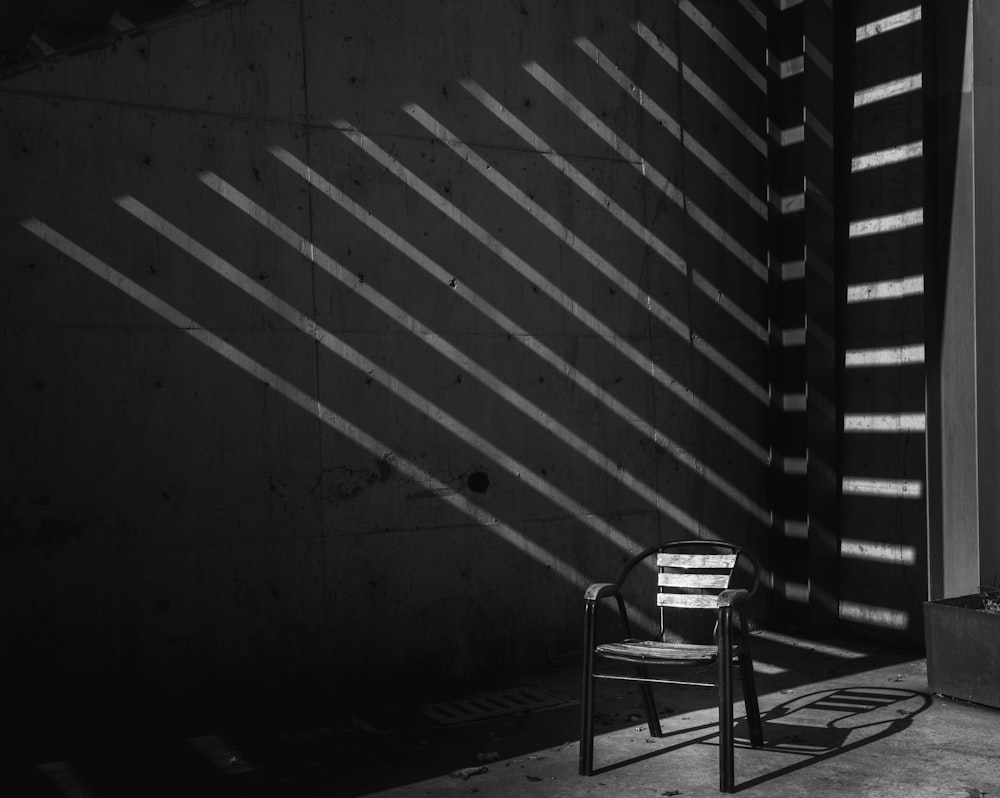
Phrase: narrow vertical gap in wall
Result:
[824,164]
[787,325]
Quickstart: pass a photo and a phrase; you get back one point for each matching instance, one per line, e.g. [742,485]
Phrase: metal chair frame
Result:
[732,640]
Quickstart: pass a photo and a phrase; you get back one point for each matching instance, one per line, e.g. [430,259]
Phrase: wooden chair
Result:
[692,576]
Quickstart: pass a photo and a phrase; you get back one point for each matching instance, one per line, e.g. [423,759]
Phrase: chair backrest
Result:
[693,580]
[690,575]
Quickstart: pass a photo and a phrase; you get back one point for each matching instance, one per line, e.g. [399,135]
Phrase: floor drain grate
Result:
[491,705]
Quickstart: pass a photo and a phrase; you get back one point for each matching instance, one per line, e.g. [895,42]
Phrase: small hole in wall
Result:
[478,482]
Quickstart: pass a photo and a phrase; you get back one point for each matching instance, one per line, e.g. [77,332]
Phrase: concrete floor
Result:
[840,719]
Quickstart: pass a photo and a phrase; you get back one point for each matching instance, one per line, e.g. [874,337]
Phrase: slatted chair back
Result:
[690,575]
[692,581]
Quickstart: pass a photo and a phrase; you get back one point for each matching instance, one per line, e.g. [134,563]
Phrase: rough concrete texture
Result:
[838,719]
[295,385]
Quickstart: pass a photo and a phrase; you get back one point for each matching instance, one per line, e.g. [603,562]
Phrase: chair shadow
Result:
[817,726]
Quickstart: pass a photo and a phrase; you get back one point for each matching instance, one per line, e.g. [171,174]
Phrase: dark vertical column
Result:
[786,297]
[822,160]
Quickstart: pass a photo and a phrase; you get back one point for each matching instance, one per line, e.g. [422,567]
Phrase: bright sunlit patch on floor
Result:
[883,617]
[886,224]
[299,398]
[884,356]
[885,422]
[878,552]
[767,668]
[885,289]
[891,88]
[810,645]
[886,24]
[883,488]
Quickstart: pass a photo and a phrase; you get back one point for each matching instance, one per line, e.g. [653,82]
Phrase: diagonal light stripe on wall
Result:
[302,399]
[519,334]
[472,228]
[601,264]
[650,173]
[604,201]
[369,367]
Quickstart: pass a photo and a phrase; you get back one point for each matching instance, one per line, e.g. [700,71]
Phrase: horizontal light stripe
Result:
[793,402]
[874,616]
[794,465]
[792,135]
[890,488]
[892,88]
[889,356]
[872,160]
[900,422]
[886,224]
[878,552]
[887,289]
[793,203]
[794,337]
[793,270]
[796,591]
[786,69]
[887,24]
[796,530]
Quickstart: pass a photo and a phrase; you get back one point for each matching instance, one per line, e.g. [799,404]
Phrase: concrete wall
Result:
[267,434]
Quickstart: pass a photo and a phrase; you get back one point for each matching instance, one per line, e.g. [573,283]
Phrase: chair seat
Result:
[633,650]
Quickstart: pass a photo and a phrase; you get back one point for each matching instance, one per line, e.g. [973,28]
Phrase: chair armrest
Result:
[600,590]
[730,598]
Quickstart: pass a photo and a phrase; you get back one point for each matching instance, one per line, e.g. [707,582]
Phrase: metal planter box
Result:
[963,650]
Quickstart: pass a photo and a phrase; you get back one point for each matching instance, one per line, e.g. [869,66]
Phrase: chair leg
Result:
[587,697]
[725,702]
[649,705]
[749,686]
